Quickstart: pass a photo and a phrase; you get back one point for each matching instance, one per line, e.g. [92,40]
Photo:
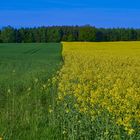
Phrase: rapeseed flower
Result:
[94,82]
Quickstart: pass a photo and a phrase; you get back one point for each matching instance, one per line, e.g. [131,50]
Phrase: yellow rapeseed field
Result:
[102,80]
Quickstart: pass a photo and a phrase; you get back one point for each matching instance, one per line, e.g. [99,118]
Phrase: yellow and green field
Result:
[89,91]
[100,81]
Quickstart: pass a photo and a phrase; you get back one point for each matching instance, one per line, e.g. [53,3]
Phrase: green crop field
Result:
[70,91]
[24,71]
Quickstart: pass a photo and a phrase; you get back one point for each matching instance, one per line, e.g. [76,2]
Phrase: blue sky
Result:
[100,13]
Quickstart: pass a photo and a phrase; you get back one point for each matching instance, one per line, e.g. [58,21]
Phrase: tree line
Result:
[67,33]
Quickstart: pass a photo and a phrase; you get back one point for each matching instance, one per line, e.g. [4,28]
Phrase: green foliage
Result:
[8,34]
[67,33]
[53,35]
[87,33]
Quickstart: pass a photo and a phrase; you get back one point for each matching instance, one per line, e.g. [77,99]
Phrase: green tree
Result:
[8,35]
[87,33]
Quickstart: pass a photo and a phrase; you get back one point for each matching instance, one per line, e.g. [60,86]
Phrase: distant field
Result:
[70,91]
[26,60]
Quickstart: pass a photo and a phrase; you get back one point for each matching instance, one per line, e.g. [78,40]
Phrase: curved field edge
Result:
[88,96]
[98,91]
[26,89]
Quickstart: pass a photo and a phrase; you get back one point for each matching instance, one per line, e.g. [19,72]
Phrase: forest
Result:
[85,33]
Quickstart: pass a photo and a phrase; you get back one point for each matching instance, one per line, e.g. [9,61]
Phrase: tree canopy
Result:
[67,33]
